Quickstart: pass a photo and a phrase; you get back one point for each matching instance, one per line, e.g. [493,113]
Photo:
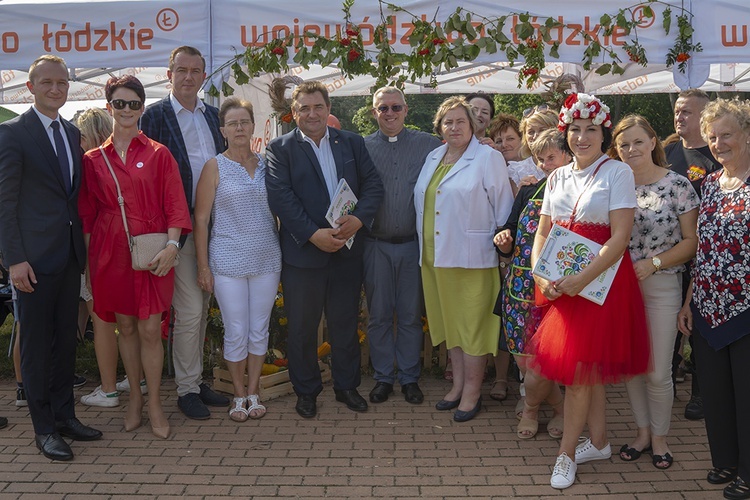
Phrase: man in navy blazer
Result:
[319,273]
[190,129]
[42,244]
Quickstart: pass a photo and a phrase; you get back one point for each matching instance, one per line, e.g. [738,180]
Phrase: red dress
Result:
[154,201]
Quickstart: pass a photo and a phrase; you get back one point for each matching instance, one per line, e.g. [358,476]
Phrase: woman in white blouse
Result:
[662,241]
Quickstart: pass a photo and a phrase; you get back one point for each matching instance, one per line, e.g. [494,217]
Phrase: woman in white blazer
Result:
[461,197]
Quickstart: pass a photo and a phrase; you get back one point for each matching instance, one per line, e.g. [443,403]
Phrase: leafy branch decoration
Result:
[462,37]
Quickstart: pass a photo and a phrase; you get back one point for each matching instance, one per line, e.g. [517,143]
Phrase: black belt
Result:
[397,240]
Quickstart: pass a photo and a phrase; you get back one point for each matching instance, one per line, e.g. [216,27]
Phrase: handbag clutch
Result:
[144,247]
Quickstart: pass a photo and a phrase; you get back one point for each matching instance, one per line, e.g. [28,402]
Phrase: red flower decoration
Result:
[279,51]
[438,41]
[570,101]
[423,52]
[345,42]
[353,55]
[682,57]
[529,71]
[352,32]
[287,118]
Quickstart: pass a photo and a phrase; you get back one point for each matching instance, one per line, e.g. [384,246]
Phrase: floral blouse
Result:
[657,227]
[721,289]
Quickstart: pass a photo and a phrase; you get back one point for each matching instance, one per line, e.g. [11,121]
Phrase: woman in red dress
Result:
[154,203]
[579,343]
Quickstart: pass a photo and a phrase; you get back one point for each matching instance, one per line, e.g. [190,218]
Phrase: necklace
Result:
[451,158]
[732,183]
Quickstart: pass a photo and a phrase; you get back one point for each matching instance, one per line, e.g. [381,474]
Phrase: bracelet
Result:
[505,255]
[174,242]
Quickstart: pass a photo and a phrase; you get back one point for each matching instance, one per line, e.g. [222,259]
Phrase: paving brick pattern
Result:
[394,450]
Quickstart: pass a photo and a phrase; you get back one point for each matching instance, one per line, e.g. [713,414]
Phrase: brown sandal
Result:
[527,427]
[499,390]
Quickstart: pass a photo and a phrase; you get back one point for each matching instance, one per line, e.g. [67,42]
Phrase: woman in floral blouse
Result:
[662,240]
[717,308]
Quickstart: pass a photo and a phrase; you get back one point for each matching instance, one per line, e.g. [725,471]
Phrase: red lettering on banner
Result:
[577,33]
[9,42]
[735,40]
[110,39]
[8,76]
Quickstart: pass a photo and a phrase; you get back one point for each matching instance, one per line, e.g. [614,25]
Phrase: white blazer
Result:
[472,201]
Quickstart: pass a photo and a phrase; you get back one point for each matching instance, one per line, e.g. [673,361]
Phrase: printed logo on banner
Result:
[167,19]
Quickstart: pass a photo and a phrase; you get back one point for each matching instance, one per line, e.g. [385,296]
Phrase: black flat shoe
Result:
[444,404]
[658,459]
[719,475]
[632,453]
[54,447]
[465,416]
[306,406]
[412,393]
[737,490]
[351,398]
[211,397]
[379,393]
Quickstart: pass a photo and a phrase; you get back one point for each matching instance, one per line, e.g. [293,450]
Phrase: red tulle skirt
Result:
[583,343]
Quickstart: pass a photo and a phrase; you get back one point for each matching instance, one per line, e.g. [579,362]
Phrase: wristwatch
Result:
[175,243]
[656,261]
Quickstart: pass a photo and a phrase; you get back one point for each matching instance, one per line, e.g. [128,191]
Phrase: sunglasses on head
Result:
[121,103]
[530,111]
[395,108]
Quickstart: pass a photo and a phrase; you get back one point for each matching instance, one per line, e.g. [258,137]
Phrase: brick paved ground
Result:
[395,450]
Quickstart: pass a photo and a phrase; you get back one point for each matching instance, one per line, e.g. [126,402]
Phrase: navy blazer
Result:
[159,122]
[298,196]
[39,221]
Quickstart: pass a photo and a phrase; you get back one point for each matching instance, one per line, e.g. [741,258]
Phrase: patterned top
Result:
[244,239]
[657,227]
[721,289]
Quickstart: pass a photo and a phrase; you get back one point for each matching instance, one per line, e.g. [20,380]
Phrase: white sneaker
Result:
[101,398]
[124,386]
[564,473]
[587,452]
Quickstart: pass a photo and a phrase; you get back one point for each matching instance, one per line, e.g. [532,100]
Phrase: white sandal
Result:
[254,405]
[238,413]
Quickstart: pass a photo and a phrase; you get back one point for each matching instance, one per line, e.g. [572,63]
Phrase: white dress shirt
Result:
[198,139]
[47,124]
[327,163]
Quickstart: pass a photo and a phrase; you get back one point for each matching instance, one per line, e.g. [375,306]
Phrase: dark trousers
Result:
[49,317]
[725,387]
[334,289]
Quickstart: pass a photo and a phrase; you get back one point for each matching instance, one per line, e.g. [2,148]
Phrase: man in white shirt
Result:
[190,129]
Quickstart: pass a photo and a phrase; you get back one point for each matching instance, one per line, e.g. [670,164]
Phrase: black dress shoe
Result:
[75,430]
[191,405]
[211,397]
[465,416]
[54,447]
[694,408]
[3,422]
[719,475]
[444,404]
[412,393]
[306,406]
[351,398]
[380,392]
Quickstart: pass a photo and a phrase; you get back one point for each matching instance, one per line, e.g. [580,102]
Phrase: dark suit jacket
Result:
[159,123]
[298,195]
[38,218]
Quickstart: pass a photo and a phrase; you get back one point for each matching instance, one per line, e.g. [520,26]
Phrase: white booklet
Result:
[344,202]
[566,253]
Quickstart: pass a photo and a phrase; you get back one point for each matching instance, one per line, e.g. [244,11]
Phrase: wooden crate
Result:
[271,386]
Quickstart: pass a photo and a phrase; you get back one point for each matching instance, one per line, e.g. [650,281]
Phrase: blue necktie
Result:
[62,154]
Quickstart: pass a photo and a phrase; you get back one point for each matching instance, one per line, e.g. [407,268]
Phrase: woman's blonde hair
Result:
[547,139]
[657,155]
[544,117]
[453,103]
[95,125]
[714,110]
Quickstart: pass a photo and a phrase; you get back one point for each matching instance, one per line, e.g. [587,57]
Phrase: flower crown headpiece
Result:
[583,106]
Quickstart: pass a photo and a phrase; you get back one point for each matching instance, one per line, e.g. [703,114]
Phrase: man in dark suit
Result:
[190,129]
[42,243]
[319,273]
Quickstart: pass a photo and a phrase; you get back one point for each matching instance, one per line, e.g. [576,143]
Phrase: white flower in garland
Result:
[584,106]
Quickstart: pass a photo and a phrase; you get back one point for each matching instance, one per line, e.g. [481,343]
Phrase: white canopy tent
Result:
[113,37]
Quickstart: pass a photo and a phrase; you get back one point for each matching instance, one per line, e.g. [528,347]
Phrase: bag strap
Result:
[589,181]
[120,199]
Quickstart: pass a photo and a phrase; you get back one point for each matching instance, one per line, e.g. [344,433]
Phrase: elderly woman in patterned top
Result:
[662,241]
[717,308]
[242,264]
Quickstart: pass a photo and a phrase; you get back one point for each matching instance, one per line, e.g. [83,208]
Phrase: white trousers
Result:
[651,395]
[191,307]
[246,305]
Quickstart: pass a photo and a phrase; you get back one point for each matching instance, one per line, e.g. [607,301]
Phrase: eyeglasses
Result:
[530,111]
[121,103]
[396,108]
[235,124]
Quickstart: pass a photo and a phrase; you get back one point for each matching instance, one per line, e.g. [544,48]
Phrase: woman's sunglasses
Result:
[121,103]
[530,111]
